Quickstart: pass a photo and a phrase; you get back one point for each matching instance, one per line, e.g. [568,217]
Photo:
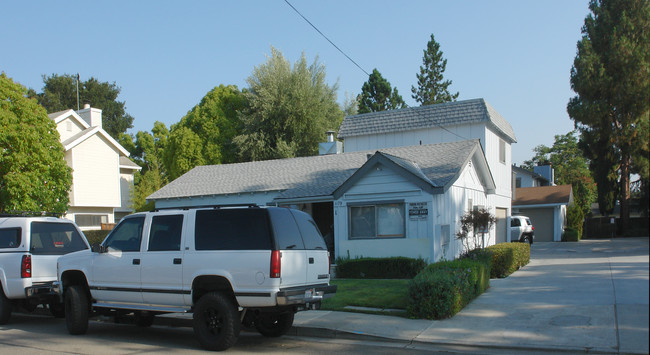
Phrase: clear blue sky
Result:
[166,55]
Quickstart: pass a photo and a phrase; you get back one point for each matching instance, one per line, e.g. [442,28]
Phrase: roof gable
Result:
[60,116]
[429,116]
[84,135]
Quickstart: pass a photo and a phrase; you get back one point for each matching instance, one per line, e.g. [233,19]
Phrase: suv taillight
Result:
[26,267]
[275,264]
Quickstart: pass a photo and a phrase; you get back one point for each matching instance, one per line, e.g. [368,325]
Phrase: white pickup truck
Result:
[229,266]
[29,248]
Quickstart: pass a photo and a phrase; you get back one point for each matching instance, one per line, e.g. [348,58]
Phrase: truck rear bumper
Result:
[311,294]
[41,291]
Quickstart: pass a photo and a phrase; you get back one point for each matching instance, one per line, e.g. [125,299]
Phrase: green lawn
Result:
[371,293]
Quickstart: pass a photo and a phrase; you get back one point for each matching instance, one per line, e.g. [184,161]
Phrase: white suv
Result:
[521,229]
[29,248]
[227,265]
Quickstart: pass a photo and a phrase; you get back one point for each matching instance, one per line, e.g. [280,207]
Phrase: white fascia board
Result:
[98,130]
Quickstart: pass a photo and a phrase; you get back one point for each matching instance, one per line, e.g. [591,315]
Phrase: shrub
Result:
[575,217]
[444,288]
[570,235]
[507,258]
[96,236]
[379,268]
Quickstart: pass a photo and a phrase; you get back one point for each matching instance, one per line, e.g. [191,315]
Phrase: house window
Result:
[385,220]
[502,151]
[90,220]
[518,182]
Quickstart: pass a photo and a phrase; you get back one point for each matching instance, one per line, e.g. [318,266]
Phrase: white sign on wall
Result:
[418,210]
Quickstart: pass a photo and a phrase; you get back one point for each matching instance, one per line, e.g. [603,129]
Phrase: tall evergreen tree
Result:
[60,93]
[377,95]
[432,89]
[611,76]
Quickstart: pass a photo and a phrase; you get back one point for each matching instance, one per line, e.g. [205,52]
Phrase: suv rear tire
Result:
[274,324]
[76,310]
[216,321]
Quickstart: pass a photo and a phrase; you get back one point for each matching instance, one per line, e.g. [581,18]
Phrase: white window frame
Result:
[376,225]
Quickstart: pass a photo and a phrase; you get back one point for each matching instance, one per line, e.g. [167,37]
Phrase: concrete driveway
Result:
[590,296]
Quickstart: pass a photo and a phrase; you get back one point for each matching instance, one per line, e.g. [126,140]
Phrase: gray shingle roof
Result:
[430,116]
[317,175]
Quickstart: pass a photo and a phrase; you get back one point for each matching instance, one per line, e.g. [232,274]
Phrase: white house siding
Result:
[95,184]
[466,193]
[414,137]
[68,128]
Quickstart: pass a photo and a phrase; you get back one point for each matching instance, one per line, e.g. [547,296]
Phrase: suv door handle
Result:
[177,261]
[136,261]
[311,260]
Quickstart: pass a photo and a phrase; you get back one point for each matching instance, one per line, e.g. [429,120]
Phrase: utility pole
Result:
[77,91]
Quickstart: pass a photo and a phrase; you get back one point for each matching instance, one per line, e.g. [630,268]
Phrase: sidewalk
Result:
[590,296]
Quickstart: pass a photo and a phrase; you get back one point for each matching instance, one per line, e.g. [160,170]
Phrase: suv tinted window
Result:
[127,235]
[55,239]
[10,238]
[165,233]
[515,222]
[232,229]
[285,230]
[310,234]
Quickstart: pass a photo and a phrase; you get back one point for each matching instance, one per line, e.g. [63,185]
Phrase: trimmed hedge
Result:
[506,258]
[444,288]
[379,268]
[570,235]
[96,236]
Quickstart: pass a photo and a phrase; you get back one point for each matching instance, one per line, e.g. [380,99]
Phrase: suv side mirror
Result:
[97,248]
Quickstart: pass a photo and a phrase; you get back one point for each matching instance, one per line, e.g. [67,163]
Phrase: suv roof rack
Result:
[249,205]
[31,214]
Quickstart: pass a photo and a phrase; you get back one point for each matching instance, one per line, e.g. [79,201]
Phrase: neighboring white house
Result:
[447,122]
[102,173]
[537,197]
[400,201]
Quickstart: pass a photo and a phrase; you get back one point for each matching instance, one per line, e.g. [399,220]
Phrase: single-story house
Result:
[399,201]
[547,208]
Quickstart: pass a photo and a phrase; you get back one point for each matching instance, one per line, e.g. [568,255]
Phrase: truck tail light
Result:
[26,267]
[275,264]
[532,228]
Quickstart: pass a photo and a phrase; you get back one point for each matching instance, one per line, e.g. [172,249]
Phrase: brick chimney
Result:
[93,116]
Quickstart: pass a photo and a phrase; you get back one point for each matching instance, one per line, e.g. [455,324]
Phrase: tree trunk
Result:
[625,193]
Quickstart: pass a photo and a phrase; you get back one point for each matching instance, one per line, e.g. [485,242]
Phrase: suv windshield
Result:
[55,239]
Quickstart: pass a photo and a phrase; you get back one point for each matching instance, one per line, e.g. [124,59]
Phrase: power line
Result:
[321,33]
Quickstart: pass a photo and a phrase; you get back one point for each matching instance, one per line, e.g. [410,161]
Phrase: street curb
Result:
[338,334]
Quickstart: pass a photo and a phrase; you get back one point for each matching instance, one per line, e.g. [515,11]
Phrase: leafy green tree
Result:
[377,95]
[60,93]
[184,151]
[611,76]
[570,167]
[289,110]
[33,173]
[432,89]
[148,151]
[215,120]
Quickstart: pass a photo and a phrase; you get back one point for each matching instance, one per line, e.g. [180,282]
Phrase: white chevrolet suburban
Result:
[227,265]
[29,248]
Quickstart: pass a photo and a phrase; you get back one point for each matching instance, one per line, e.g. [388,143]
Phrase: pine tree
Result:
[377,95]
[431,87]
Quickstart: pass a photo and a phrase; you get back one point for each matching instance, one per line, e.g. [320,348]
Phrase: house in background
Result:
[547,208]
[401,201]
[540,176]
[102,173]
[442,123]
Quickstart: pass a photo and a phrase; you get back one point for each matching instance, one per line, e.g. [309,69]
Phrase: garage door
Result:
[502,214]
[542,219]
